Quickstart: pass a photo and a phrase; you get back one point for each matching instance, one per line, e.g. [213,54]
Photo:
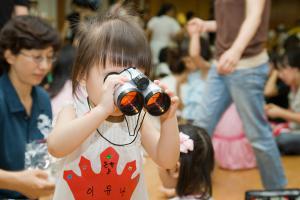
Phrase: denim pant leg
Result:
[214,102]
[289,143]
[246,87]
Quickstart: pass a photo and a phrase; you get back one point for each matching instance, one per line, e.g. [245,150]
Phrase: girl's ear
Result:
[175,173]
[82,79]
[10,57]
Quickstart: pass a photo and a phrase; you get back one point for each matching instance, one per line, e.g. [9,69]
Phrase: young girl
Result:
[191,179]
[100,147]
[60,89]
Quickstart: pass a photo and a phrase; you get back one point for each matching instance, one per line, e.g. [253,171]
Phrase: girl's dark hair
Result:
[178,67]
[26,32]
[189,15]
[173,57]
[205,49]
[292,42]
[62,69]
[114,37]
[196,166]
[165,8]
[292,58]
[90,4]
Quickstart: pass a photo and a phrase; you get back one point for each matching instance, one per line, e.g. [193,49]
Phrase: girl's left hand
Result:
[174,102]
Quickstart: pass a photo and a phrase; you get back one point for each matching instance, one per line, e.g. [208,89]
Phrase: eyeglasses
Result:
[40,59]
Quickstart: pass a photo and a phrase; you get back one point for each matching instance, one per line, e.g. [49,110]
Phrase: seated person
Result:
[276,91]
[289,141]
[165,56]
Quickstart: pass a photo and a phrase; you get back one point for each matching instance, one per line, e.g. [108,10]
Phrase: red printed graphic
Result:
[107,185]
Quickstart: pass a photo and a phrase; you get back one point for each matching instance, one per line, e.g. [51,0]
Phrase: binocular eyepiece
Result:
[140,92]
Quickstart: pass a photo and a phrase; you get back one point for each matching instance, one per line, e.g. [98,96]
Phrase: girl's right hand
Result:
[107,95]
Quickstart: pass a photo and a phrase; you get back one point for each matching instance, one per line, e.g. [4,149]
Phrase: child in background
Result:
[163,68]
[191,178]
[198,57]
[177,80]
[100,146]
[288,141]
[60,89]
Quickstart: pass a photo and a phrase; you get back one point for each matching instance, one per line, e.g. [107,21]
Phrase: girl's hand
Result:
[107,94]
[174,102]
[194,27]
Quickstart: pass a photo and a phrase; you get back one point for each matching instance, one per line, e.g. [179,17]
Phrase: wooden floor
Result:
[228,185]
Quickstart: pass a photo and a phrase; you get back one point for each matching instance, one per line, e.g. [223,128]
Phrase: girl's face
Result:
[289,75]
[95,80]
[30,66]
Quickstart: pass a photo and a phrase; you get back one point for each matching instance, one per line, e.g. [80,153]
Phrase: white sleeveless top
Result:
[99,169]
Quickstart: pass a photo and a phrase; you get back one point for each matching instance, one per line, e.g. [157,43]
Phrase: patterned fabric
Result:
[91,156]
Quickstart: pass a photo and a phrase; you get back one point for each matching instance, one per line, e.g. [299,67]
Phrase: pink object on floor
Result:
[232,148]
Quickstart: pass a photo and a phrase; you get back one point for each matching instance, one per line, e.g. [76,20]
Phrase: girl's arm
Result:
[194,51]
[69,133]
[204,26]
[163,147]
[271,89]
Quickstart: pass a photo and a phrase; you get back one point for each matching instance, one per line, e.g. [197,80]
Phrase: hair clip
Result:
[186,144]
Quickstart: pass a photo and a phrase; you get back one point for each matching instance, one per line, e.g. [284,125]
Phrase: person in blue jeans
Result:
[238,75]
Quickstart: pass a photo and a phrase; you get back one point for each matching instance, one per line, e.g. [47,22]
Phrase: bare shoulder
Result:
[67,114]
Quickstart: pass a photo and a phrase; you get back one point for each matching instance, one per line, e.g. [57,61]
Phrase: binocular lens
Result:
[158,103]
[131,103]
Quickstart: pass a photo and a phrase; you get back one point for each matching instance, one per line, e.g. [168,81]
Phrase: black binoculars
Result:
[140,92]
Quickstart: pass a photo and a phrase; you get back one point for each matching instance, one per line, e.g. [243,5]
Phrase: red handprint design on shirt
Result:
[107,184]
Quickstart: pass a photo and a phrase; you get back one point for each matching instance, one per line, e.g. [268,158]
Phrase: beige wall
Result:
[200,7]
[283,11]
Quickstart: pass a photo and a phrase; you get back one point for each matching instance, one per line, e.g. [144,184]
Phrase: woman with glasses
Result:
[27,51]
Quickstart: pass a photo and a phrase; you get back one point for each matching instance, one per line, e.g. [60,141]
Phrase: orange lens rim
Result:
[129,98]
[153,99]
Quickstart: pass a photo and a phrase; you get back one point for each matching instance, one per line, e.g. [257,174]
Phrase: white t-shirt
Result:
[99,169]
[163,28]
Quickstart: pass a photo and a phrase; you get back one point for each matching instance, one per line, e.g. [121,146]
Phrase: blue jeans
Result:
[245,88]
[289,143]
